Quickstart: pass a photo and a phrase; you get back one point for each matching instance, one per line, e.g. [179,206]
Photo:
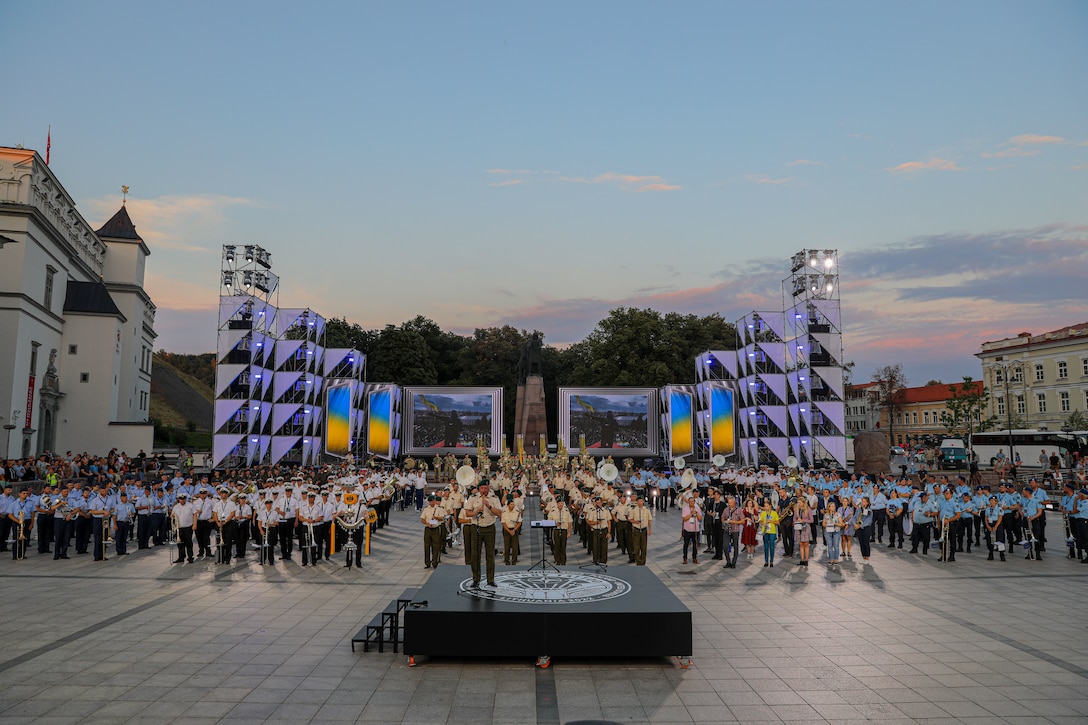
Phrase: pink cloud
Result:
[509,182]
[625,182]
[1027,139]
[764,179]
[933,164]
[1009,152]
[806,162]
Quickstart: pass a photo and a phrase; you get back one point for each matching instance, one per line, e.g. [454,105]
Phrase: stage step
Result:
[385,626]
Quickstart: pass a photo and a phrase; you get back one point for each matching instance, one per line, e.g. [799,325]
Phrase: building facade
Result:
[75,372]
[1037,380]
[917,413]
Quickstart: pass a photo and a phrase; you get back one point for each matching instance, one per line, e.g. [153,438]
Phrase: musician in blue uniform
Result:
[995,532]
[1032,518]
[21,518]
[123,515]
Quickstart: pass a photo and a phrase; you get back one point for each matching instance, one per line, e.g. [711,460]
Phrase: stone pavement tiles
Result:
[905,639]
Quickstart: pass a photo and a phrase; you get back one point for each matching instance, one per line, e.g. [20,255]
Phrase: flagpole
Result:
[48,143]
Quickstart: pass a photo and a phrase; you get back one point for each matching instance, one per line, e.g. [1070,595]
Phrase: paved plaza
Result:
[907,639]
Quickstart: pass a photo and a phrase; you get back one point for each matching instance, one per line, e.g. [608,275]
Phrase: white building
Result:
[1037,380]
[75,369]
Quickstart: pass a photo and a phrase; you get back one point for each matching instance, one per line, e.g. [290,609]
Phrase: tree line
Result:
[629,347]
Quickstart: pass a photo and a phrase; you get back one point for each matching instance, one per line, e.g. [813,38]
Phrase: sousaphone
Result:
[687,480]
[608,472]
[466,476]
[718,460]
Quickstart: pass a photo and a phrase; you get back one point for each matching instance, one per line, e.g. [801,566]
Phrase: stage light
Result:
[813,258]
[228,252]
[829,262]
[247,279]
[258,377]
[830,287]
[249,252]
[228,279]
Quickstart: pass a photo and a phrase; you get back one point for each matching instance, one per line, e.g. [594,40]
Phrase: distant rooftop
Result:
[1026,339]
[119,226]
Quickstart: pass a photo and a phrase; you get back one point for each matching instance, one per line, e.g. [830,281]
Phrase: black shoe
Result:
[990,557]
[913,551]
[177,561]
[426,566]
[715,558]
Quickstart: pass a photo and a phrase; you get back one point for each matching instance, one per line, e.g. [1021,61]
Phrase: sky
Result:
[539,164]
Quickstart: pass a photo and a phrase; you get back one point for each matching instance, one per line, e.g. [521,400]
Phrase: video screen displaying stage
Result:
[613,420]
[452,419]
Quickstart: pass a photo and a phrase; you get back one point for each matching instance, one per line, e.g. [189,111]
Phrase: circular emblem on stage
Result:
[538,587]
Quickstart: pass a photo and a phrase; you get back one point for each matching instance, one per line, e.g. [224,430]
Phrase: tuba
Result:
[354,517]
[409,463]
[465,476]
[608,472]
[687,480]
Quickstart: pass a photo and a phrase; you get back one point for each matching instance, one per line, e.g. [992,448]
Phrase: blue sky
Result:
[540,164]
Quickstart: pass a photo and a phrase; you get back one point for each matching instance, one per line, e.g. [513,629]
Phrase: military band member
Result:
[268,520]
[324,538]
[923,512]
[895,510]
[184,515]
[484,508]
[158,506]
[1032,512]
[224,513]
[98,510]
[995,532]
[45,518]
[81,509]
[21,519]
[640,519]
[62,513]
[287,512]
[467,524]
[432,517]
[564,526]
[123,515]
[621,527]
[310,515]
[599,521]
[202,507]
[243,523]
[511,532]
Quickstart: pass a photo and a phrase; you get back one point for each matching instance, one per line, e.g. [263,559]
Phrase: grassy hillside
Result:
[179,400]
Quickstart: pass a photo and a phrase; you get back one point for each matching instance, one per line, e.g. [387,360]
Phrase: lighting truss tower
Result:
[248,293]
[814,359]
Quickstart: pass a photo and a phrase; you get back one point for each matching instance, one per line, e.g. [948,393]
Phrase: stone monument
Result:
[530,417]
[872,453]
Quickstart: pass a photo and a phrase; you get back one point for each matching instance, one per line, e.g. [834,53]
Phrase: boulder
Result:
[872,453]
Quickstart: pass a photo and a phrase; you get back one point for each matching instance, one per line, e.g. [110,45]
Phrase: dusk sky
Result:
[539,164]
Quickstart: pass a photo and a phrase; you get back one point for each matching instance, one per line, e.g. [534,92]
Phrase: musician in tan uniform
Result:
[483,508]
[621,529]
[511,532]
[564,525]
[641,522]
[432,516]
[599,520]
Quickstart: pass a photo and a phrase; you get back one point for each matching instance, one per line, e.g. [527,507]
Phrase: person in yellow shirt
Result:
[768,526]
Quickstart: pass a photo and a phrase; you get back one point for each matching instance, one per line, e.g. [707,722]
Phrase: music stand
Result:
[543,564]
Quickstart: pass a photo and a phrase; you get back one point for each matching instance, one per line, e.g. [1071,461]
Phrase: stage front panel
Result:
[626,612]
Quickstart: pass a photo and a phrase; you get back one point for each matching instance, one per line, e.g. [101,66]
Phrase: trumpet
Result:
[20,544]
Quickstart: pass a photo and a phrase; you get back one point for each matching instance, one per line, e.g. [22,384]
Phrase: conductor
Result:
[484,509]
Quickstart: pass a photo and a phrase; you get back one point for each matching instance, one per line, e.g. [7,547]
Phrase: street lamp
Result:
[1006,368]
[9,428]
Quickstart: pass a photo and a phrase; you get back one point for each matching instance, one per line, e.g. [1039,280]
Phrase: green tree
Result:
[445,347]
[1076,421]
[962,415]
[343,334]
[633,347]
[402,357]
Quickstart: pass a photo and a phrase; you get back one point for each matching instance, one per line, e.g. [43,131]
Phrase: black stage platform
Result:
[627,612]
